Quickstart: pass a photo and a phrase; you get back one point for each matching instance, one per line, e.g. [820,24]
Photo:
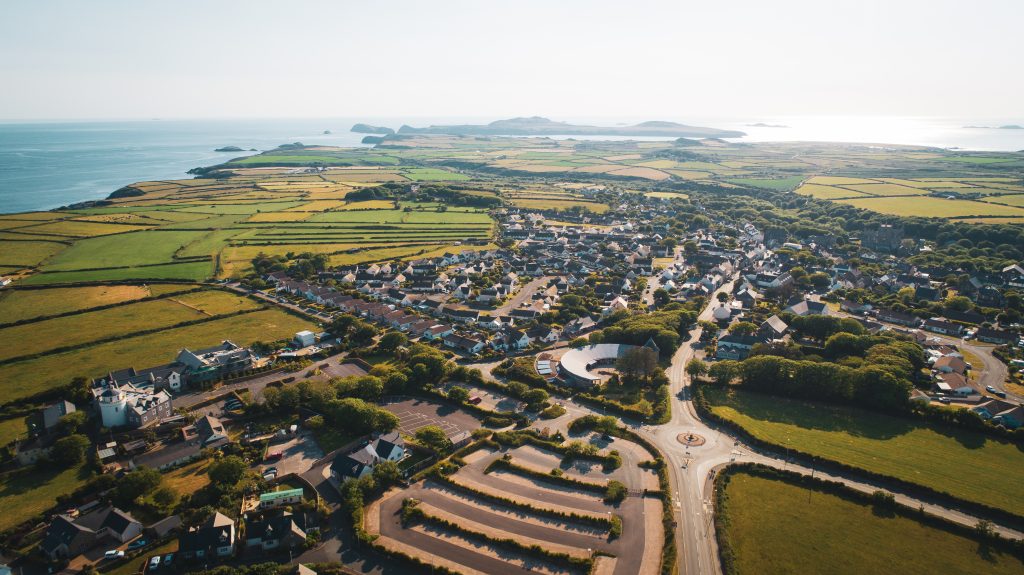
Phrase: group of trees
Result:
[302,266]
[871,386]
[352,331]
[666,327]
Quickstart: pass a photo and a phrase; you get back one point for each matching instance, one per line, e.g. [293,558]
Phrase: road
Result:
[524,293]
[992,371]
[690,469]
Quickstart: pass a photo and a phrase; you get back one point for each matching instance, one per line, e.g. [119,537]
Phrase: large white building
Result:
[130,406]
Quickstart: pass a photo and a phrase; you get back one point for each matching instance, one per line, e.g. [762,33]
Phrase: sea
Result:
[45,165]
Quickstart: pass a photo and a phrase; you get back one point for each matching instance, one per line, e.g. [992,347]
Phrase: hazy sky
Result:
[626,58]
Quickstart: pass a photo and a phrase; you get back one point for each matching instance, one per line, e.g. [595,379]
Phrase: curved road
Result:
[691,469]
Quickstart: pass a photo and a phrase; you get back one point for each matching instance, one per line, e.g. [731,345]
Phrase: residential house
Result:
[274,499]
[939,325]
[278,531]
[998,337]
[732,346]
[53,412]
[772,328]
[213,539]
[898,317]
[361,461]
[805,307]
[1009,415]
[68,537]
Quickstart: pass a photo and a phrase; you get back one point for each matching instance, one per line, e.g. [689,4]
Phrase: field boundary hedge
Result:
[99,307]
[726,551]
[915,490]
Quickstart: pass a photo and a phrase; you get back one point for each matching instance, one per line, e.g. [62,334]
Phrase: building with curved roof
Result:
[576,364]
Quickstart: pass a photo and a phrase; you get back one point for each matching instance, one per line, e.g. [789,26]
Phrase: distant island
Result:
[538,126]
[763,125]
[327,132]
[368,129]
[1006,127]
[229,149]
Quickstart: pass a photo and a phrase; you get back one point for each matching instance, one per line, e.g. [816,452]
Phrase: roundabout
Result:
[690,439]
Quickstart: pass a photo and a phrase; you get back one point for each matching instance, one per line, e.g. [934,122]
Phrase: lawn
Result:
[779,527]
[330,439]
[17,305]
[27,492]
[965,464]
[188,479]
[11,429]
[26,378]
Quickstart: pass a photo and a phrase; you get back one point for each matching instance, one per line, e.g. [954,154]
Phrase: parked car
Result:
[137,543]
[270,470]
[990,389]
[154,563]
[475,400]
[113,554]
[1001,394]
[945,400]
[168,559]
[275,456]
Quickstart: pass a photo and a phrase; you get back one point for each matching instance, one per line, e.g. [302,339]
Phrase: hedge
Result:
[980,510]
[502,463]
[603,522]
[562,559]
[726,551]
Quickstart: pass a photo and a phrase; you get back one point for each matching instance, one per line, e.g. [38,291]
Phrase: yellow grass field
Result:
[823,192]
[27,253]
[279,217]
[932,207]
[690,174]
[25,304]
[82,229]
[838,180]
[886,189]
[646,173]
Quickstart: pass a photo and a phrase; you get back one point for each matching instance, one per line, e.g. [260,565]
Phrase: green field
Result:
[27,492]
[134,249]
[26,378]
[25,304]
[188,271]
[962,463]
[27,253]
[40,336]
[778,527]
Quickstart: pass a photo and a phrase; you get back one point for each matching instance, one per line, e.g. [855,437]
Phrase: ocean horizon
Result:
[48,164]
